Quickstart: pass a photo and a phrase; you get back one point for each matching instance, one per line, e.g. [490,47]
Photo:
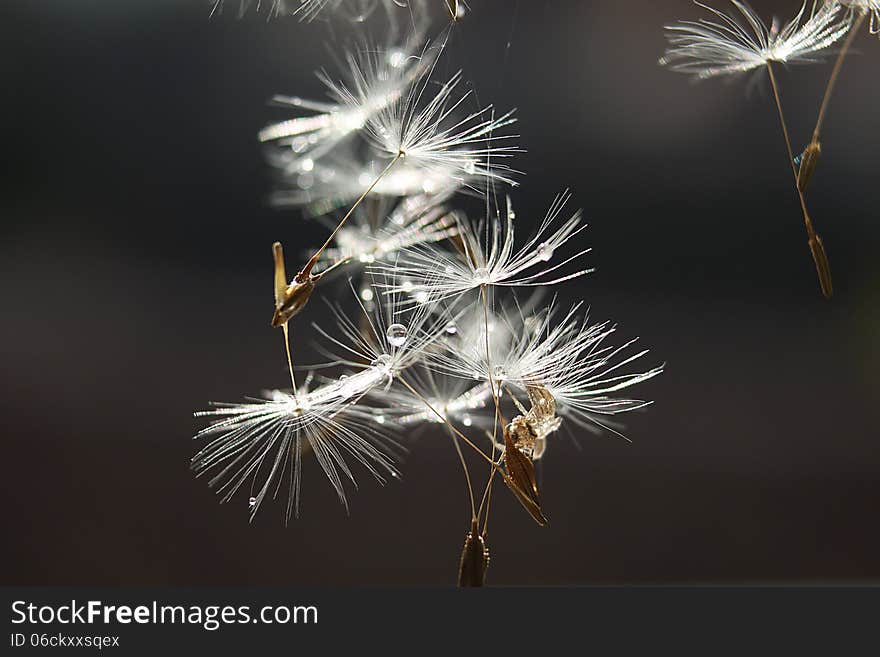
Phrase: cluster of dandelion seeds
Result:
[440,319]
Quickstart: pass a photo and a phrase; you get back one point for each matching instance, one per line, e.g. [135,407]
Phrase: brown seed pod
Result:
[291,298]
[809,161]
[474,559]
[520,478]
[823,268]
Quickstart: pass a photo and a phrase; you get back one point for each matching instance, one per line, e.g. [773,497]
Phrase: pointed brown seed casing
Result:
[543,403]
[823,269]
[295,299]
[520,479]
[809,161]
[289,299]
[474,559]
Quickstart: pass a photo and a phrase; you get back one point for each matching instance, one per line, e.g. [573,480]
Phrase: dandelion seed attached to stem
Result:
[835,74]
[727,45]
[810,156]
[317,255]
[817,249]
[474,558]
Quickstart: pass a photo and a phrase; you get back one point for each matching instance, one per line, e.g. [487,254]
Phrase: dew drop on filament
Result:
[545,251]
[396,335]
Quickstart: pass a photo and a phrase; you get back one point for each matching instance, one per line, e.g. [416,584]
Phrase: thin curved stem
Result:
[458,433]
[817,249]
[314,259]
[467,474]
[835,73]
[289,360]
[487,493]
[807,222]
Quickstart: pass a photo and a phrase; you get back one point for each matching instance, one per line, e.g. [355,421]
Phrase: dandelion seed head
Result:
[373,79]
[263,441]
[570,358]
[489,257]
[430,129]
[731,44]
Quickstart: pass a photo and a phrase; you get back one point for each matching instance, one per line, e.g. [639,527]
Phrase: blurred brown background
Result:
[135,277]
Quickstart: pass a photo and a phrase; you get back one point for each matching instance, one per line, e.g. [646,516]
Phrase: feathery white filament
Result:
[708,48]
[489,257]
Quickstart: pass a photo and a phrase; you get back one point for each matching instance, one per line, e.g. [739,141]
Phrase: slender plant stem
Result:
[314,259]
[835,73]
[807,222]
[817,249]
[487,493]
[458,433]
[338,263]
[289,360]
[467,474]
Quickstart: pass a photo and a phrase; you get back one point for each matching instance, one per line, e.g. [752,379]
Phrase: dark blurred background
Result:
[136,287]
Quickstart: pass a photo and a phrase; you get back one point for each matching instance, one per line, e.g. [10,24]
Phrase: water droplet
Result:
[367,294]
[421,296]
[470,168]
[252,502]
[396,335]
[396,58]
[380,419]
[481,275]
[451,328]
[545,251]
[466,420]
[307,165]
[382,362]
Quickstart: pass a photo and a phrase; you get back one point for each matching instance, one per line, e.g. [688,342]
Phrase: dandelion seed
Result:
[474,560]
[374,79]
[263,441]
[731,44]
[489,258]
[529,431]
[391,339]
[569,358]
[425,129]
[520,479]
